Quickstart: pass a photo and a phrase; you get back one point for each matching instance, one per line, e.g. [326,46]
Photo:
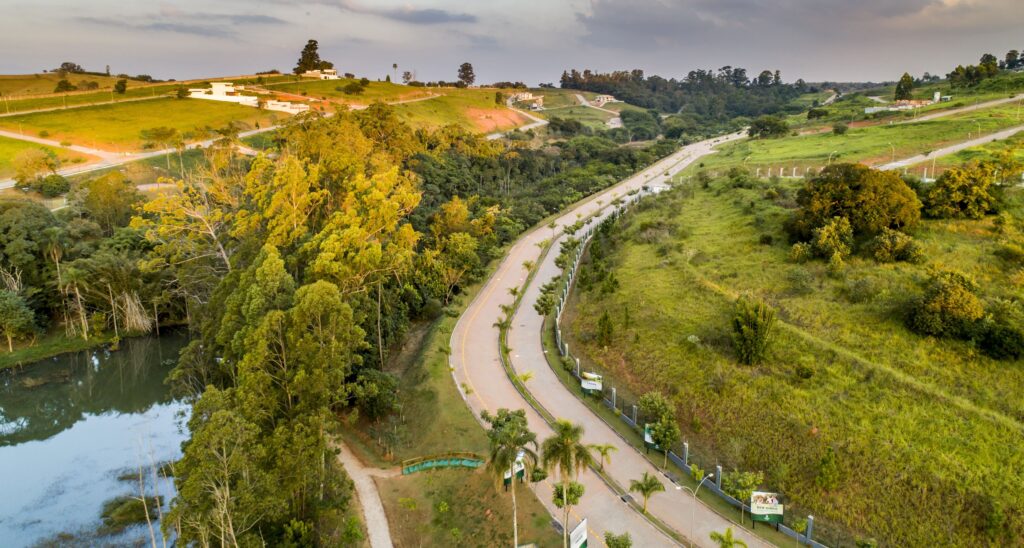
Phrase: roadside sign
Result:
[765,507]
[578,536]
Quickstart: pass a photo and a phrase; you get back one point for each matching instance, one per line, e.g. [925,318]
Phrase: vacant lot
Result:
[9,149]
[332,90]
[590,117]
[473,109]
[870,145]
[910,419]
[117,127]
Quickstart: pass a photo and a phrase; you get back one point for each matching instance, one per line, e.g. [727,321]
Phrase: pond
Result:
[71,426]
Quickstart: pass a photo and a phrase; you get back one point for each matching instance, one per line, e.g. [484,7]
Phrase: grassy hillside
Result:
[912,420]
[31,84]
[590,117]
[117,127]
[473,109]
[329,90]
[10,148]
[872,144]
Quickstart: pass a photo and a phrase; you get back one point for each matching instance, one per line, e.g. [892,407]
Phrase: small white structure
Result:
[224,91]
[286,106]
[230,93]
[321,74]
[602,100]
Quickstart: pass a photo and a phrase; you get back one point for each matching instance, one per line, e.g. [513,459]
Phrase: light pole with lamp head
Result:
[694,493]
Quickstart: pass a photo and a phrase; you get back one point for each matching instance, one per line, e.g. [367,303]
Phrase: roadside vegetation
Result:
[889,364]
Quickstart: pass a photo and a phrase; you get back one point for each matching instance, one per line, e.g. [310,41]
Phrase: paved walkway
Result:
[374,517]
[482,379]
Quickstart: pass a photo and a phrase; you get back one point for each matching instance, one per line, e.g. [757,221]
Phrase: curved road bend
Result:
[477,369]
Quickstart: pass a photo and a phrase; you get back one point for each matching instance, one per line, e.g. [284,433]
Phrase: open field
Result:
[592,118]
[10,148]
[328,89]
[117,127]
[870,145]
[988,151]
[473,109]
[31,84]
[908,417]
[558,98]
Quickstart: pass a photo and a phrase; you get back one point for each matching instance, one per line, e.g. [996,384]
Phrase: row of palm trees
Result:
[513,444]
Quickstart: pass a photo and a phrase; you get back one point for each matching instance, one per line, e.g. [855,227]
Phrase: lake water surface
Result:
[70,425]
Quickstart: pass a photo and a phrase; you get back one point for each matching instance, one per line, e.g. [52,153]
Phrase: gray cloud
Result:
[409,14]
[211,25]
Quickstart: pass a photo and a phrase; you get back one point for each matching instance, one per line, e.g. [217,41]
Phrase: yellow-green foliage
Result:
[859,421]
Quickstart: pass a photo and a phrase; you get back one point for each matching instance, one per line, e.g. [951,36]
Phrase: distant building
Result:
[321,74]
[229,93]
[602,100]
[224,91]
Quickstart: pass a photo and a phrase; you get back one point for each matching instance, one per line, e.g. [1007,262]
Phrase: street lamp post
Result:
[694,493]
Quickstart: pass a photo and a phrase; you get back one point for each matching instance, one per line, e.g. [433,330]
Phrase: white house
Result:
[321,74]
[224,91]
[286,106]
[601,100]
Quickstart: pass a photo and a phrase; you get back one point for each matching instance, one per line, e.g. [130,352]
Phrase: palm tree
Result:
[566,452]
[726,540]
[511,442]
[605,450]
[647,485]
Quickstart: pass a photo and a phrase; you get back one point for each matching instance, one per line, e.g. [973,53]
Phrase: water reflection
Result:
[70,426]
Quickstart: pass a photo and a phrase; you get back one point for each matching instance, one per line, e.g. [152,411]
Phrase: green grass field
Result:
[472,109]
[870,145]
[328,89]
[9,149]
[33,84]
[592,118]
[117,127]
[987,151]
[910,418]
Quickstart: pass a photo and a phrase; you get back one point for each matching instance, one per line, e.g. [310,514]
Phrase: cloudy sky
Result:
[528,40]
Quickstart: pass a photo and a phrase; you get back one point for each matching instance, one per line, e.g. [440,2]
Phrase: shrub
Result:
[816,113]
[961,192]
[53,185]
[840,128]
[861,290]
[604,329]
[868,198]
[828,471]
[752,326]
[768,127]
[801,252]
[1002,342]
[739,485]
[766,239]
[892,245]
[948,306]
[1010,252]
[834,239]
[800,280]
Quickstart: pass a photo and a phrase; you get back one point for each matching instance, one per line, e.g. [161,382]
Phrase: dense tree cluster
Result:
[987,67]
[706,96]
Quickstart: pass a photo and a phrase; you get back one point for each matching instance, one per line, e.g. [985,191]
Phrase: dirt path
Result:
[374,517]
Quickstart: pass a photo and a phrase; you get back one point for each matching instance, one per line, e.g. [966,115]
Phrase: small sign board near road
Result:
[578,536]
[591,382]
[765,507]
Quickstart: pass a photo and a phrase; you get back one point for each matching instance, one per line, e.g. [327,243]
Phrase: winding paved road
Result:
[477,369]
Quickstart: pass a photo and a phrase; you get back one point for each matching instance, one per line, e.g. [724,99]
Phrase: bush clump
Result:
[892,245]
[833,239]
[961,193]
[948,308]
[752,326]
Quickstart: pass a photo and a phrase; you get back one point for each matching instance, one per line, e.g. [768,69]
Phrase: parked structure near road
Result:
[230,93]
[321,74]
[909,104]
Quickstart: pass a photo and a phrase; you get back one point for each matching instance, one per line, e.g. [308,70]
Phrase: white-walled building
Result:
[229,93]
[321,74]
[602,100]
[224,91]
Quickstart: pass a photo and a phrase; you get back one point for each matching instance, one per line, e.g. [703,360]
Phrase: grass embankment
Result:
[10,148]
[870,145]
[444,507]
[910,419]
[987,151]
[472,109]
[47,346]
[117,127]
[33,84]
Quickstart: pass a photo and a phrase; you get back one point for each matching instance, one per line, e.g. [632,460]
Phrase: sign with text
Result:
[765,507]
[578,536]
